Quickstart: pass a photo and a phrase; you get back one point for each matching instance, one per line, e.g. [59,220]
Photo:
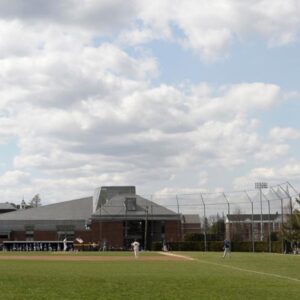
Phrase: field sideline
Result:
[117,275]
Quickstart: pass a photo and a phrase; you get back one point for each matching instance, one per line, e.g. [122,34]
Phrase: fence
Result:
[253,215]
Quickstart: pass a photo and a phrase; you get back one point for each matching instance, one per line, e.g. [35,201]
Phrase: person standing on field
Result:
[136,247]
[65,244]
[226,248]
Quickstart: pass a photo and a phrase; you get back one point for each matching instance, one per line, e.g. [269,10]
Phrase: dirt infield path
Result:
[89,258]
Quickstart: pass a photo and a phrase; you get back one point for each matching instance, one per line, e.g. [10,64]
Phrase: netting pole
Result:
[177,204]
[281,206]
[146,228]
[180,233]
[291,209]
[228,204]
[228,213]
[152,225]
[269,222]
[296,192]
[262,232]
[100,226]
[252,222]
[204,212]
[270,240]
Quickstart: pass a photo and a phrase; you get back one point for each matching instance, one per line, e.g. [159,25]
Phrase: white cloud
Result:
[290,171]
[86,112]
[13,179]
[283,134]
[92,115]
[207,28]
[144,134]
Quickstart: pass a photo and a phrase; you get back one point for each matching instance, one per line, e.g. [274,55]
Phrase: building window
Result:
[130,204]
[134,228]
[29,235]
[70,235]
[5,235]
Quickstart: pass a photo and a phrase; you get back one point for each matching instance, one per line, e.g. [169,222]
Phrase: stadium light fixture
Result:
[260,186]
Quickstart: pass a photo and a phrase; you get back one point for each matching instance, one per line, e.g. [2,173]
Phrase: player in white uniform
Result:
[65,244]
[136,248]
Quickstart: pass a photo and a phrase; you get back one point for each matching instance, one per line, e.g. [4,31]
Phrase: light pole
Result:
[260,186]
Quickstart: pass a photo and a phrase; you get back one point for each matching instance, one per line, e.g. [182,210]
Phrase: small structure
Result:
[191,224]
[239,226]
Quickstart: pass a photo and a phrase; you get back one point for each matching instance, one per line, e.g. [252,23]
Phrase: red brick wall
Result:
[110,231]
[191,228]
[45,235]
[173,231]
[85,235]
[18,236]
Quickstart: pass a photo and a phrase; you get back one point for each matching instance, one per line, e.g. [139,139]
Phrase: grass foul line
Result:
[177,255]
[231,267]
[249,271]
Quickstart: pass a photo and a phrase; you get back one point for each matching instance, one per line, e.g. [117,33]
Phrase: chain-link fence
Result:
[251,216]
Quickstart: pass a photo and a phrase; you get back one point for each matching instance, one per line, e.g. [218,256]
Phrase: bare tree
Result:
[36,201]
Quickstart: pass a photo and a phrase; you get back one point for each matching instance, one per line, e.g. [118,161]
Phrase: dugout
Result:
[36,246]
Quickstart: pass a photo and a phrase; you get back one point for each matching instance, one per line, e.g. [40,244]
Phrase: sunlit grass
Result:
[204,278]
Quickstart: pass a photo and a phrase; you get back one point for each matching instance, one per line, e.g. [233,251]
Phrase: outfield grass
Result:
[207,277]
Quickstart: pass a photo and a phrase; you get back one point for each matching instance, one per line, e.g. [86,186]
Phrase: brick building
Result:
[191,224]
[113,217]
[239,226]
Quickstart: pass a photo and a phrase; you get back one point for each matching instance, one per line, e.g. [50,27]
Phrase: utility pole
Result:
[252,226]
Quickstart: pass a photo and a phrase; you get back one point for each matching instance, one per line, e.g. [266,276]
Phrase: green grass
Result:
[207,277]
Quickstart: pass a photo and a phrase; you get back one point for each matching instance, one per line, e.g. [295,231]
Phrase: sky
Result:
[170,96]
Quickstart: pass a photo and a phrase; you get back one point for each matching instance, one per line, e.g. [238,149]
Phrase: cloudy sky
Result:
[170,96]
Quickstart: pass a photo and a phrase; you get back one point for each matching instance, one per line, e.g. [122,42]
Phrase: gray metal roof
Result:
[79,209]
[7,206]
[115,209]
[191,219]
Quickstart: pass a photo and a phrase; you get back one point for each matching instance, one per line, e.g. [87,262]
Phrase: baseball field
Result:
[154,275]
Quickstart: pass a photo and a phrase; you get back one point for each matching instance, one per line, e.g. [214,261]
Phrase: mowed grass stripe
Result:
[249,271]
[227,263]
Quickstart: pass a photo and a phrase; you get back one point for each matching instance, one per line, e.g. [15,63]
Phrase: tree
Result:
[36,201]
[217,227]
[291,226]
